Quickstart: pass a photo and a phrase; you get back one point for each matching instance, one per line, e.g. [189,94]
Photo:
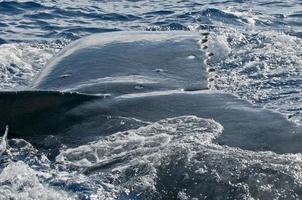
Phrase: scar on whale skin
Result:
[210,54]
[204,41]
[211,70]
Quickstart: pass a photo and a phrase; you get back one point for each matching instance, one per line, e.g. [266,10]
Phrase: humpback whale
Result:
[112,82]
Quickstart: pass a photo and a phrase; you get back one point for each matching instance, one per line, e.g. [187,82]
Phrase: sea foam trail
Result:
[176,158]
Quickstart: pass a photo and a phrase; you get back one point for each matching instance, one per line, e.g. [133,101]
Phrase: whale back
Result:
[129,62]
[112,82]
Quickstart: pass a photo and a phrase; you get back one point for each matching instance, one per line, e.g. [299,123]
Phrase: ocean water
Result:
[260,60]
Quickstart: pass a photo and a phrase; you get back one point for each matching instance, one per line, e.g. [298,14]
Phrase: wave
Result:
[176,157]
[173,158]
[1,40]
[15,7]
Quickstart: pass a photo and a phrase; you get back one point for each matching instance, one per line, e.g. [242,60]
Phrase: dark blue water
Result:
[49,20]
[260,45]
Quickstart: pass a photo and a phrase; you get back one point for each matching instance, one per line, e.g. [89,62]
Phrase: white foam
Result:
[179,155]
[3,144]
[146,145]
[263,67]
[19,181]
[20,62]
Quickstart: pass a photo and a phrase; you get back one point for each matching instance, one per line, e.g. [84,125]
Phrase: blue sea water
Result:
[260,61]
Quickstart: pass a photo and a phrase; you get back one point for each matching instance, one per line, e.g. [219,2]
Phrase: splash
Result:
[19,181]
[3,144]
[177,158]
[20,62]
[174,158]
[262,67]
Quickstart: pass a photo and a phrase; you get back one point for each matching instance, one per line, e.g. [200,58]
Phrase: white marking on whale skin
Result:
[191,57]
[65,75]
[234,106]
[137,79]
[159,70]
[162,93]
[138,87]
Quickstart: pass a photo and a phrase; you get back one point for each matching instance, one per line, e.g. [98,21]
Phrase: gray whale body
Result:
[112,82]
